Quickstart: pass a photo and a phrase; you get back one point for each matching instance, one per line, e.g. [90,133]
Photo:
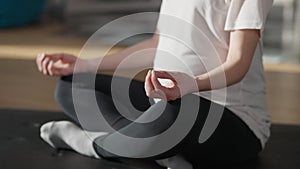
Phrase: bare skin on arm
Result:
[60,64]
[242,47]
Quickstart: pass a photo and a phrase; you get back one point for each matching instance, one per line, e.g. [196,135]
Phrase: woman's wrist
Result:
[86,65]
[203,82]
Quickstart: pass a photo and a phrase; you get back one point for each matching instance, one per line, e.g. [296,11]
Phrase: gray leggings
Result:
[231,143]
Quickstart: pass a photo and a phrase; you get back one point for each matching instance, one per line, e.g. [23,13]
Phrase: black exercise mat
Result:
[21,147]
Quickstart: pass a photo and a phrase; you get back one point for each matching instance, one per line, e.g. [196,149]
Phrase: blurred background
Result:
[29,27]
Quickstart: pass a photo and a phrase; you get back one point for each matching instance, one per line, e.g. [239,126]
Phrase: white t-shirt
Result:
[195,39]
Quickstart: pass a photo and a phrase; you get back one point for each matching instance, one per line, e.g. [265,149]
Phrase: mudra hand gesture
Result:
[179,85]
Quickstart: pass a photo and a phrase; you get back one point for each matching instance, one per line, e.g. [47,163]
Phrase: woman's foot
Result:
[67,135]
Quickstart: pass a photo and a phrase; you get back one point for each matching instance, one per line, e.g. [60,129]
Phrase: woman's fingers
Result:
[42,56]
[42,62]
[165,75]
[39,61]
[150,89]
[45,63]
[161,91]
[50,68]
[48,63]
[155,81]
[155,90]
[148,84]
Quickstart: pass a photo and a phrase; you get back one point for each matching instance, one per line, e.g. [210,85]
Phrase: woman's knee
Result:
[63,91]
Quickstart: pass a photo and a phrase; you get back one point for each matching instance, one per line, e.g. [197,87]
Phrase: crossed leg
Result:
[64,134]
[232,142]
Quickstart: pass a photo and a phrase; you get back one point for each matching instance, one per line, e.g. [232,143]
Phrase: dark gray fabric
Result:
[232,142]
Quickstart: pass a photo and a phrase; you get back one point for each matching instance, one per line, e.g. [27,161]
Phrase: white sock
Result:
[65,134]
[175,162]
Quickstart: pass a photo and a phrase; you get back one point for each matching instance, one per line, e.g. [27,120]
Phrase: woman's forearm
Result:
[225,75]
[242,47]
[111,62]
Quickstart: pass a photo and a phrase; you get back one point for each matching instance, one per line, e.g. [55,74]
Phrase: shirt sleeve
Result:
[247,14]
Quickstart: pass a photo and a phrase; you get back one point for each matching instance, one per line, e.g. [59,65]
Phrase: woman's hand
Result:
[60,64]
[179,85]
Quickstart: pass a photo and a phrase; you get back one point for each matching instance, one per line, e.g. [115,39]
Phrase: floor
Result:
[22,87]
[19,141]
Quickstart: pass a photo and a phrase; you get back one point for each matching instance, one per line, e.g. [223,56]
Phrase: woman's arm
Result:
[60,64]
[241,50]
[111,62]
